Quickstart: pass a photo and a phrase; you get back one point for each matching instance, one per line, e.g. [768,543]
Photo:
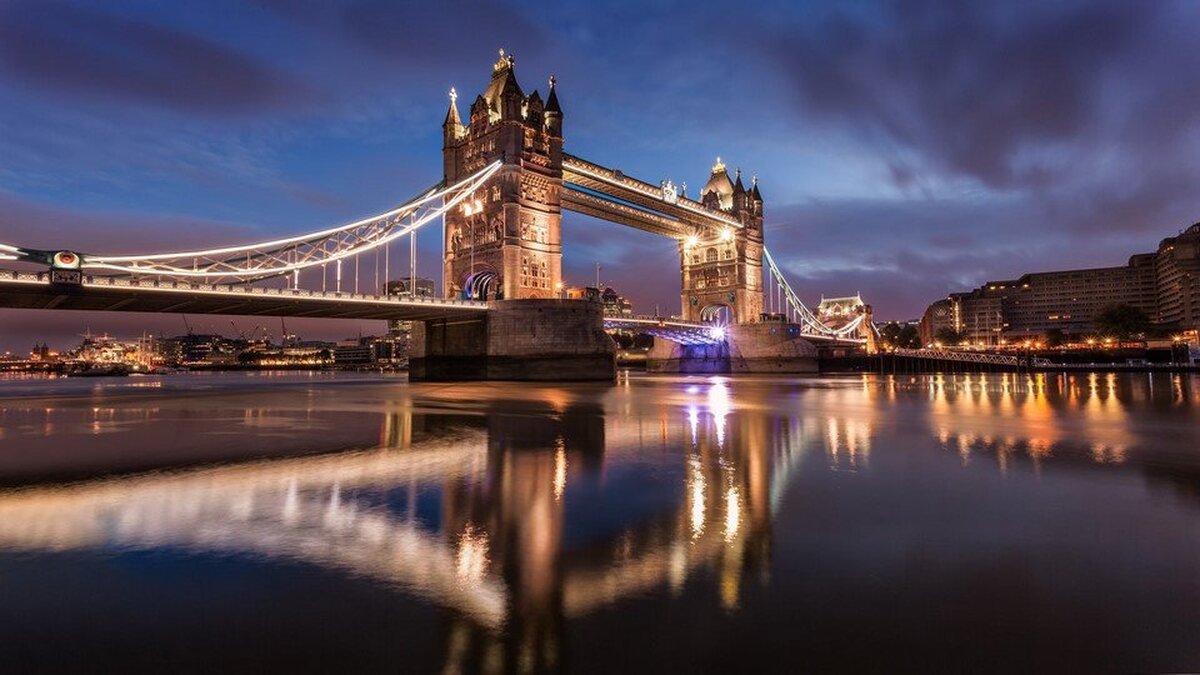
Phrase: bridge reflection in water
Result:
[517,545]
[495,553]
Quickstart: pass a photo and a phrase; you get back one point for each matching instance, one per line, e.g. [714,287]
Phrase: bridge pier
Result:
[531,339]
[749,348]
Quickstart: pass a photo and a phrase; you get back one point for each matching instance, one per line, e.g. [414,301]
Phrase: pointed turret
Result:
[552,100]
[479,110]
[718,191]
[553,111]
[452,127]
[738,188]
[503,94]
[534,108]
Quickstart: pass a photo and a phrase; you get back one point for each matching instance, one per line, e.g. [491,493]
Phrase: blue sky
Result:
[905,150]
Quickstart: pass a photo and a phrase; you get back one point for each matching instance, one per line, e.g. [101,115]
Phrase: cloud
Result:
[1019,136]
[904,253]
[76,51]
[968,85]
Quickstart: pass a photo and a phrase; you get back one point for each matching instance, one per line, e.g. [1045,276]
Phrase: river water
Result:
[337,523]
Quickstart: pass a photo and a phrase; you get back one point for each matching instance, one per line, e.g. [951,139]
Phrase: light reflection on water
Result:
[517,514]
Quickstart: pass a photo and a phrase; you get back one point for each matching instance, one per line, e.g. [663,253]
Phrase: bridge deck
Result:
[22,290]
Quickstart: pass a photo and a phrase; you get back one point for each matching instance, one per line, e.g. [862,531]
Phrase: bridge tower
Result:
[505,241]
[722,268]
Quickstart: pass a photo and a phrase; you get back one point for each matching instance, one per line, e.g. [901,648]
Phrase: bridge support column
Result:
[517,340]
[750,348]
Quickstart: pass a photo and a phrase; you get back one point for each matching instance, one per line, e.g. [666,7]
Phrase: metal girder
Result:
[269,259]
[574,199]
[972,357]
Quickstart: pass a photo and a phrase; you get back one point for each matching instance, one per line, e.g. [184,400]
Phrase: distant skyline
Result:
[904,150]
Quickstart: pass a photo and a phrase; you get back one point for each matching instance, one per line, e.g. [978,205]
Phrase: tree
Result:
[1055,338]
[948,336]
[900,335]
[1122,321]
[908,337]
[890,332]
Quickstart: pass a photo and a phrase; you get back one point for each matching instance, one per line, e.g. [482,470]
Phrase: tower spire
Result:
[552,98]
[453,124]
[554,115]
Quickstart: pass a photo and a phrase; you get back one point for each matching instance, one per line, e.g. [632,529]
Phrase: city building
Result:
[1161,284]
[590,293]
[1176,268]
[408,287]
[399,332]
[615,304]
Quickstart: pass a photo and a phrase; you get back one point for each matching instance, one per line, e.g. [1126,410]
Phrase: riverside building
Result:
[1163,284]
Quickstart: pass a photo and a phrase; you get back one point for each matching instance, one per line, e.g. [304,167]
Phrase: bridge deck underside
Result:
[43,295]
[598,206]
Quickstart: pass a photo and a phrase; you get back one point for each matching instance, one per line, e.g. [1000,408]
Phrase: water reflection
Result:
[1098,416]
[518,510]
[495,552]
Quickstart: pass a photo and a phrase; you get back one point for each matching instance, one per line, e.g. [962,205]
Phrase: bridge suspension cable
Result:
[289,255]
[809,323]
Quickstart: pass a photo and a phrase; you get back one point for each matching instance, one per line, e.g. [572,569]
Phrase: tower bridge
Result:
[506,181]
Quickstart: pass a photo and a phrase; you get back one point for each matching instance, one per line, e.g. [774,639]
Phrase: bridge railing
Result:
[984,358]
[102,281]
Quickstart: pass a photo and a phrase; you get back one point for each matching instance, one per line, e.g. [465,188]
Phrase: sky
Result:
[905,150]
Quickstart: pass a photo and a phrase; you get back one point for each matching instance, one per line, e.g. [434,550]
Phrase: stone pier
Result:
[749,348]
[532,339]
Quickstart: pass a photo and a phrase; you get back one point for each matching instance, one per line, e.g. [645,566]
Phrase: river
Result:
[346,522]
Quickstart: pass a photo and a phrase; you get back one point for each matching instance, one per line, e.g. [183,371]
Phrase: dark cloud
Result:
[968,85]
[74,50]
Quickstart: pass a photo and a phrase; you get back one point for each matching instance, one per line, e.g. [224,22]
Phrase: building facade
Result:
[1161,284]
[722,272]
[505,241]
[1177,268]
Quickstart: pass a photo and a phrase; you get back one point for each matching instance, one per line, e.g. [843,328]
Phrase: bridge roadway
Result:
[29,290]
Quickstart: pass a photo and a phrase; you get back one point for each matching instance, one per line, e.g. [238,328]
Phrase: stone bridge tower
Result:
[722,269]
[505,241]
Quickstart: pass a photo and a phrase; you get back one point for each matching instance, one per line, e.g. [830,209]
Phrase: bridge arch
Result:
[718,313]
[482,285]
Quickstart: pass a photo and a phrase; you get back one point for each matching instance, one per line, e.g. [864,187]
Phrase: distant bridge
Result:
[980,358]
